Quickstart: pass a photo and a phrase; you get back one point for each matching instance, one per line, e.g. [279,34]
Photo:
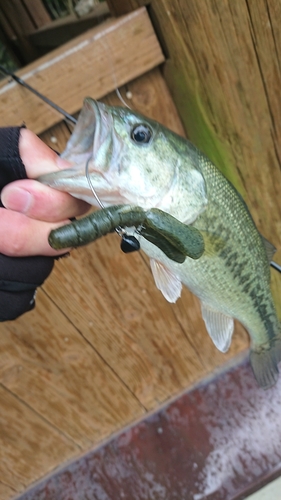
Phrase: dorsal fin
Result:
[269,248]
[166,281]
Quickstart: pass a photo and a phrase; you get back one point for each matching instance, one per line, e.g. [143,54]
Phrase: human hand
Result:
[33,209]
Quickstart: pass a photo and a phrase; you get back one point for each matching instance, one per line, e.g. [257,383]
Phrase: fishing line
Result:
[90,182]
[129,242]
[119,230]
[113,74]
[119,95]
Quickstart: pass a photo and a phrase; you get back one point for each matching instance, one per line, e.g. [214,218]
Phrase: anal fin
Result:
[219,326]
[166,281]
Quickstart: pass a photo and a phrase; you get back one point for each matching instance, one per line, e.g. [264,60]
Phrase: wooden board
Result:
[94,64]
[102,347]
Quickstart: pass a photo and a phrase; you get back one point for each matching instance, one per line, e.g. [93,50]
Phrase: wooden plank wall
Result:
[102,347]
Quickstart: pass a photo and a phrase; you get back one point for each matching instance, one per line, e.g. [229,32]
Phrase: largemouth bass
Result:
[137,161]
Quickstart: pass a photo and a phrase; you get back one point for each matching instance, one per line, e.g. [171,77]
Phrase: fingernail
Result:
[17,199]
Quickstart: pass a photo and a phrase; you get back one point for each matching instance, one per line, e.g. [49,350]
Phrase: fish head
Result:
[130,159]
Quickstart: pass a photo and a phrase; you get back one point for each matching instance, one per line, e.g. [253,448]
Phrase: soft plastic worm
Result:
[175,239]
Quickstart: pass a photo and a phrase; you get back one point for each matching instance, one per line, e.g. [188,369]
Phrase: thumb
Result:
[37,157]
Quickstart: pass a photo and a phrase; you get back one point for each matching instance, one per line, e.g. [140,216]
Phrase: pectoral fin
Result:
[167,282]
[220,327]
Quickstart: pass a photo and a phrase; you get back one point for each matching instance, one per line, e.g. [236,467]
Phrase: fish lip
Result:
[57,180]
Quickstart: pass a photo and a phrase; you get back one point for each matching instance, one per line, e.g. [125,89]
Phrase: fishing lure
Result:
[175,239]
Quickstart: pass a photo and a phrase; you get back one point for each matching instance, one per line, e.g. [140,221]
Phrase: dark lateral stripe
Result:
[218,441]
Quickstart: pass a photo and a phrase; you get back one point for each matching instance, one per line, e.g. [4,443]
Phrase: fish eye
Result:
[141,134]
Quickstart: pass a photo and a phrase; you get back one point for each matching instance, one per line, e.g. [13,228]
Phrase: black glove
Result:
[19,276]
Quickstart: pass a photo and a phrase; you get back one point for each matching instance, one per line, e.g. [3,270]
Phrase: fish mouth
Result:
[88,147]
[92,133]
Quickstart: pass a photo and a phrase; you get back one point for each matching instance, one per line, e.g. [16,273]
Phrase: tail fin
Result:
[265,363]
